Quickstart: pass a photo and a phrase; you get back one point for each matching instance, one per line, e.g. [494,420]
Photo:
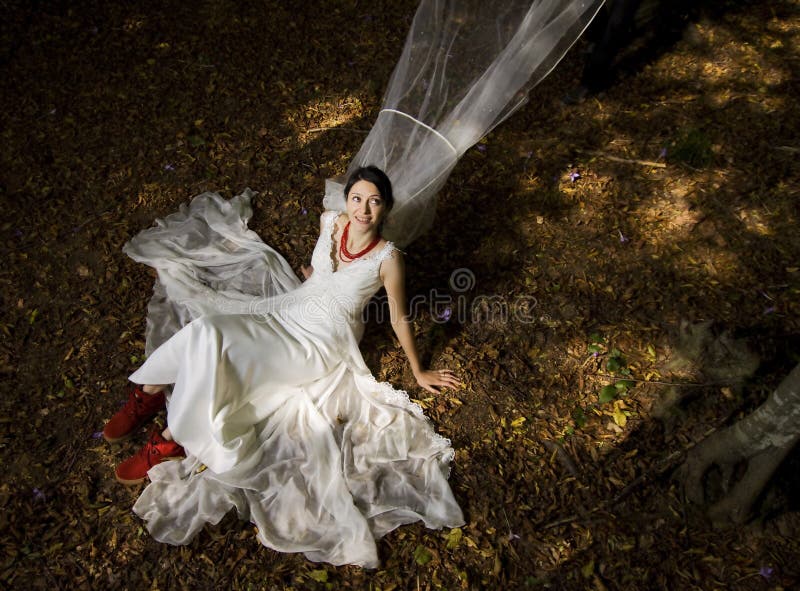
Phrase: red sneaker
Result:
[139,409]
[156,450]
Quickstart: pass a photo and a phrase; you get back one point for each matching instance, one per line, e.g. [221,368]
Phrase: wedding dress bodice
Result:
[334,299]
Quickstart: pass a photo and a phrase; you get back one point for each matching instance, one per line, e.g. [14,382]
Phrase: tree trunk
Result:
[761,441]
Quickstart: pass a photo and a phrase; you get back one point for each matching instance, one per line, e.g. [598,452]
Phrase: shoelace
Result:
[134,408]
[149,450]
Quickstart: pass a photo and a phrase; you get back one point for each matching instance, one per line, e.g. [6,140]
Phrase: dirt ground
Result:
[671,197]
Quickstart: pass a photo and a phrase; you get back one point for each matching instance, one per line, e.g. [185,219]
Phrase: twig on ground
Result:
[667,463]
[625,160]
[686,384]
[658,468]
[563,521]
[353,129]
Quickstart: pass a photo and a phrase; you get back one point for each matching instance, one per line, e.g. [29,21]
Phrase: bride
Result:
[273,411]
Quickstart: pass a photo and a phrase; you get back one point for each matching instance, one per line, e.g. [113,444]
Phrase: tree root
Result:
[759,441]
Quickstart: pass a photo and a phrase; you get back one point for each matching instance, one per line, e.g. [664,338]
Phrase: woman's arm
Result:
[393,276]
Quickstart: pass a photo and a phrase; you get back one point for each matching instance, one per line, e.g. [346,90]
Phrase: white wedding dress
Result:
[278,413]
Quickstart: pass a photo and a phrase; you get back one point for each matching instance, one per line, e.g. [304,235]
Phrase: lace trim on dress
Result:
[326,237]
[386,252]
[391,395]
[328,218]
[328,222]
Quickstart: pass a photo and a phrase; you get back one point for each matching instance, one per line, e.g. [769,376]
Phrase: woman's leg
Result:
[148,389]
[156,389]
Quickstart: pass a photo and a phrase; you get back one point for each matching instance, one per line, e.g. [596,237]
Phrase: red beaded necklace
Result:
[346,255]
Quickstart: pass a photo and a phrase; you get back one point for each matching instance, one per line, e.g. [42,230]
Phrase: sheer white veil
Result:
[465,67]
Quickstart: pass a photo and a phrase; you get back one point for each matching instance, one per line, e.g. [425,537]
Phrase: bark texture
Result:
[759,442]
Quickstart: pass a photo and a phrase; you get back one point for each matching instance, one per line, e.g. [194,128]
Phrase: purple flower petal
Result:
[766,571]
[97,435]
[445,315]
[38,495]
[662,153]
[770,310]
[304,211]
[169,167]
[481,148]
[622,238]
[574,176]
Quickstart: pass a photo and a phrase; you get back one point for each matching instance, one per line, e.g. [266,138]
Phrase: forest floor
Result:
[601,227]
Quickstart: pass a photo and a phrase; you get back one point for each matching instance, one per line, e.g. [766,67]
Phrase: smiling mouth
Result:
[363,220]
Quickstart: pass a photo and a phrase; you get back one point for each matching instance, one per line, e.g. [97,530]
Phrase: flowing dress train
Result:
[271,398]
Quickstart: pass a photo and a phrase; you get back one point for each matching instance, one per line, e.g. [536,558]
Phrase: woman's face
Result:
[365,206]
